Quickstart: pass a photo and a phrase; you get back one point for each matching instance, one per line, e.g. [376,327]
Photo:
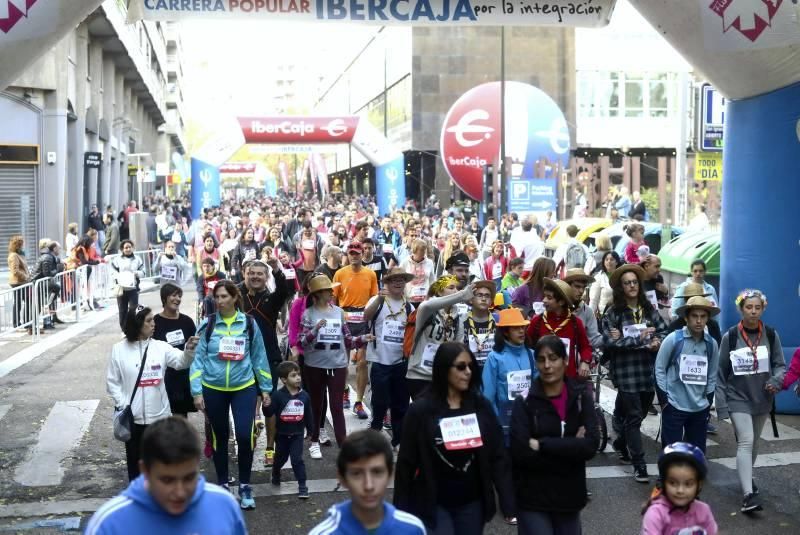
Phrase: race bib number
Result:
[387,248]
[461,432]
[393,333]
[633,331]
[462,308]
[169,272]
[175,338]
[497,270]
[290,274]
[176,237]
[126,279]
[211,285]
[538,307]
[651,296]
[355,316]
[481,345]
[566,342]
[293,411]
[151,376]
[427,356]
[231,348]
[694,370]
[249,255]
[331,333]
[308,245]
[519,382]
[744,363]
[419,293]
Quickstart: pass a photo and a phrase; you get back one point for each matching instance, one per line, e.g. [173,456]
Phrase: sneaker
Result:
[208,451]
[711,429]
[269,456]
[640,474]
[226,486]
[346,398]
[387,421]
[324,439]
[314,452]
[275,482]
[303,493]
[750,503]
[358,410]
[652,410]
[622,452]
[246,500]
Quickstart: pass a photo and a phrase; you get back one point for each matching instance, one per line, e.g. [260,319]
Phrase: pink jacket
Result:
[630,252]
[662,518]
[794,370]
[295,315]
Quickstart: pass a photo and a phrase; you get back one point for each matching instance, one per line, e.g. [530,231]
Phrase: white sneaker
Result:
[324,439]
[314,451]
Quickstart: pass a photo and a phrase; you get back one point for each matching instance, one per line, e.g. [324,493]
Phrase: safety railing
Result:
[37,305]
[17,308]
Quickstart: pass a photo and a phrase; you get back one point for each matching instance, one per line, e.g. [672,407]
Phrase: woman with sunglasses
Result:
[553,434]
[751,371]
[451,459]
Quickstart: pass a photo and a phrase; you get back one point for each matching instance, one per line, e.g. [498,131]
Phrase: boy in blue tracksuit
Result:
[365,467]
[292,405]
[230,361]
[170,496]
[509,368]
[686,375]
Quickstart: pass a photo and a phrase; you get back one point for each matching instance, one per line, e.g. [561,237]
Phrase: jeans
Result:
[133,450]
[629,411]
[538,523]
[126,302]
[22,300]
[289,446]
[747,428]
[242,404]
[389,392]
[417,387]
[321,380]
[464,520]
[681,426]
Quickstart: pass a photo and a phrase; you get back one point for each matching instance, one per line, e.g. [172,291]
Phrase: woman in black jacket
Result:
[245,251]
[451,456]
[553,434]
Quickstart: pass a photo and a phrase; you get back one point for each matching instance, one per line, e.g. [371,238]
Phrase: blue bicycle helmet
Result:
[682,451]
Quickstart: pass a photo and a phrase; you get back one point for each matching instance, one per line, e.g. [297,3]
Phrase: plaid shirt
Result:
[632,362]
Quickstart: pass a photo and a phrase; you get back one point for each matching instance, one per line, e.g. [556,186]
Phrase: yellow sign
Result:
[708,166]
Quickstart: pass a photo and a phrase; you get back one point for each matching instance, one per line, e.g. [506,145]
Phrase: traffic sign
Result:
[532,195]
[712,119]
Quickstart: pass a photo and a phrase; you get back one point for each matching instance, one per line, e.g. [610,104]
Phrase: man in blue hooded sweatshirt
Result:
[170,496]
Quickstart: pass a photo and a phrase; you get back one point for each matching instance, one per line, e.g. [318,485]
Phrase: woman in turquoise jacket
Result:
[229,369]
[509,368]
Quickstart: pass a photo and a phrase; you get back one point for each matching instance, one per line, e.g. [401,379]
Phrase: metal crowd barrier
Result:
[66,295]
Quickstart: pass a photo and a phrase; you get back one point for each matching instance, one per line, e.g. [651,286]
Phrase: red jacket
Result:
[573,330]
[488,267]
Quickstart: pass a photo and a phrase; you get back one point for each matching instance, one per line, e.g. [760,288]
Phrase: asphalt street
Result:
[60,461]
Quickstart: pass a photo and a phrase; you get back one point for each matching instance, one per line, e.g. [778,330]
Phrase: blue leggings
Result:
[242,403]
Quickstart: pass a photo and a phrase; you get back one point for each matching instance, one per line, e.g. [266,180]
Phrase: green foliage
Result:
[650,198]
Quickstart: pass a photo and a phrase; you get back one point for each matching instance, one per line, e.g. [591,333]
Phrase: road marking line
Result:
[62,431]
[650,425]
[764,460]
[29,353]
[4,410]
[785,432]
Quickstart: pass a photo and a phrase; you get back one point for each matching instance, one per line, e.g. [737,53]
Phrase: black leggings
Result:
[126,302]
[133,451]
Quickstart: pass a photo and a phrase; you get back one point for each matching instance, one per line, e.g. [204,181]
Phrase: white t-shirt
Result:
[389,332]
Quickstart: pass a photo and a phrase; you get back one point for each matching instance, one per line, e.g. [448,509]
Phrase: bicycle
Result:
[598,374]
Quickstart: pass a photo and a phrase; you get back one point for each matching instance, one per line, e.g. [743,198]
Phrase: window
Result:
[660,96]
[619,94]
[634,96]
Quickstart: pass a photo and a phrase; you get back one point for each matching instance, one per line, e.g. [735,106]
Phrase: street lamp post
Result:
[139,174]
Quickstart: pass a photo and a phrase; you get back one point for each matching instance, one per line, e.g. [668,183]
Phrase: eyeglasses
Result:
[630,283]
[482,296]
[461,366]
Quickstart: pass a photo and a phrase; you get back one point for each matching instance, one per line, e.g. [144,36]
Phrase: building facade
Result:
[107,91]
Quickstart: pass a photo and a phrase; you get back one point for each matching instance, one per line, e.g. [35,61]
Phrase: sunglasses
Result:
[461,366]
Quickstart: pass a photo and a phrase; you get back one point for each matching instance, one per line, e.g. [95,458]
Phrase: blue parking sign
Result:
[532,196]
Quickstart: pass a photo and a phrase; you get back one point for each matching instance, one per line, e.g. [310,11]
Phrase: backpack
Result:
[410,337]
[409,311]
[250,330]
[575,256]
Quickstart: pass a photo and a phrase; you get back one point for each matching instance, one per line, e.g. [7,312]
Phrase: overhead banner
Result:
[287,129]
[205,187]
[582,13]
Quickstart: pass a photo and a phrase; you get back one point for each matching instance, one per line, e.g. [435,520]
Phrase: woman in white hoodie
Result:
[127,270]
[150,401]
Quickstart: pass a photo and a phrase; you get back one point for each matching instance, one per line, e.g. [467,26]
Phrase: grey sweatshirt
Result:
[744,392]
[431,330]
